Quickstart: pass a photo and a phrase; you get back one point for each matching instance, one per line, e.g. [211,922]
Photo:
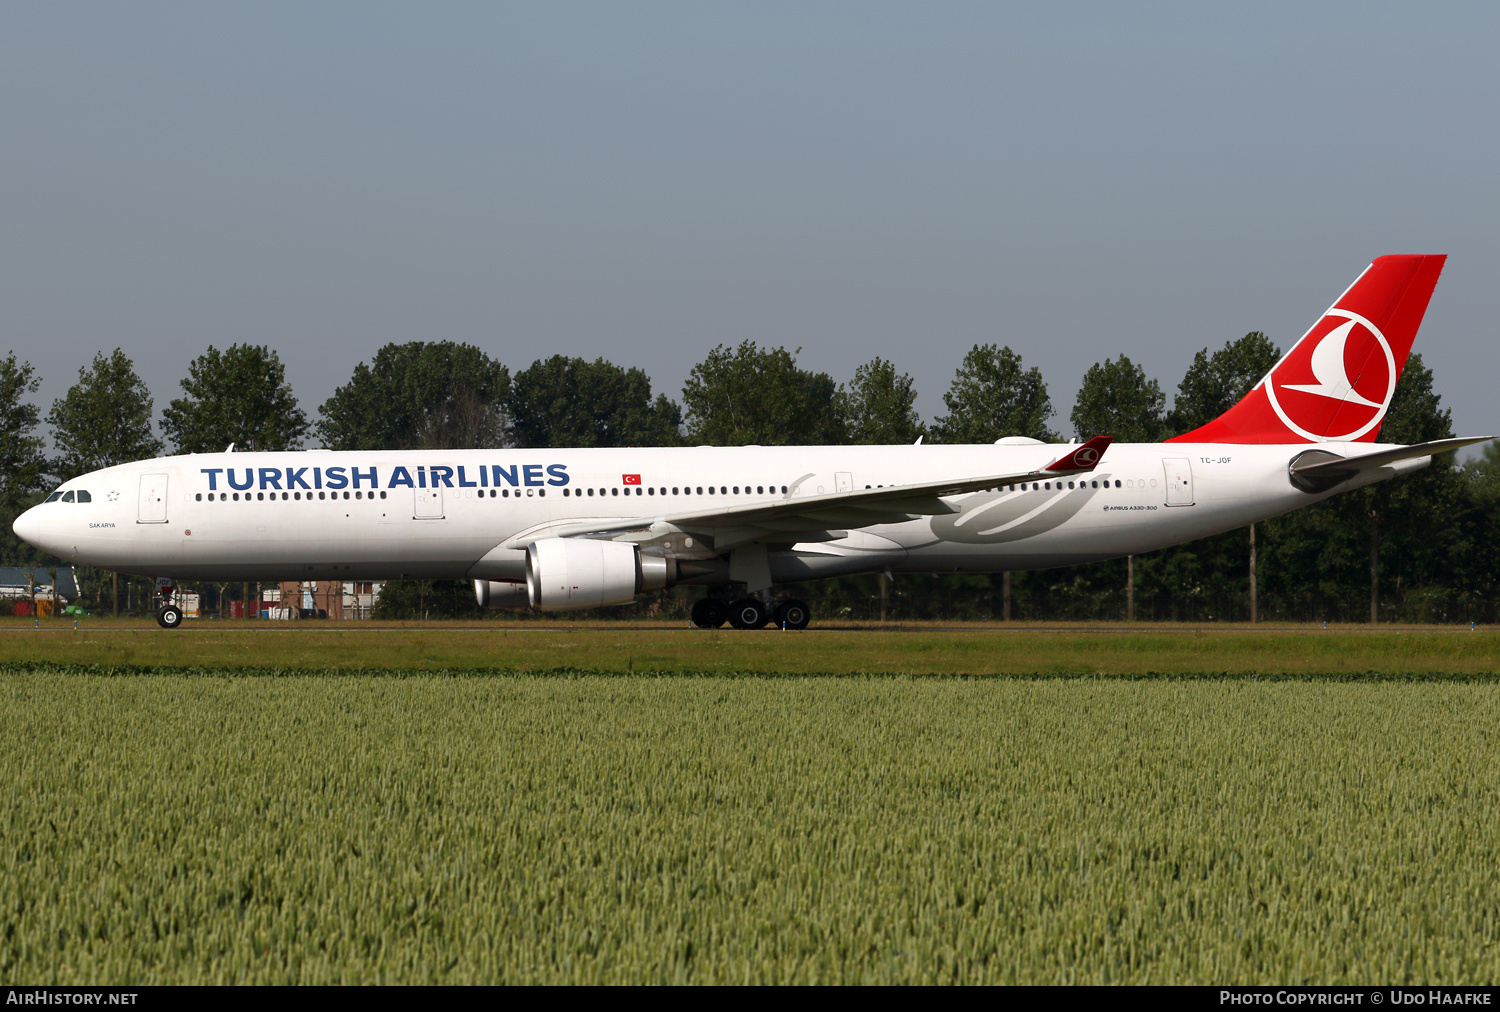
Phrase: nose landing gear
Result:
[168,615]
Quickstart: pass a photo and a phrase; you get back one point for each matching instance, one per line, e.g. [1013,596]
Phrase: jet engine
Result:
[566,574]
[500,594]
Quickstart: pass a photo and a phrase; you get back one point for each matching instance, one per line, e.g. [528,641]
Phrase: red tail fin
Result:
[1337,382]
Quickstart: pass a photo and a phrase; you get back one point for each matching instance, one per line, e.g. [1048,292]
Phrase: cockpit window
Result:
[67,497]
[83,496]
[54,497]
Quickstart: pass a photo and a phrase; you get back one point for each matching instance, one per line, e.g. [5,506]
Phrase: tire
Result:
[709,613]
[169,617]
[793,614]
[748,613]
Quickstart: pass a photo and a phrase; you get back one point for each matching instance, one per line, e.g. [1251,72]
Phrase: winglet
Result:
[1085,458]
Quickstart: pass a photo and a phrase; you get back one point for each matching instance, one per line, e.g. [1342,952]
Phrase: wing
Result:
[810,517]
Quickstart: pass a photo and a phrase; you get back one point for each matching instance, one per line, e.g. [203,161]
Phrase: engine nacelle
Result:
[499,594]
[566,574]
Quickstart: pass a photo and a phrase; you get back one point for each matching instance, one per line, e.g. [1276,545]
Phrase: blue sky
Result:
[644,181]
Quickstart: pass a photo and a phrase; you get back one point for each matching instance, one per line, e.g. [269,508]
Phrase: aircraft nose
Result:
[28,527]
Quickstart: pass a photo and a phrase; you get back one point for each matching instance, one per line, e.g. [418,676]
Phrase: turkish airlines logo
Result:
[631,479]
[1337,383]
[1087,455]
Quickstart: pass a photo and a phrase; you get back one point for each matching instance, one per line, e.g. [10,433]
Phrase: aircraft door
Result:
[1179,473]
[153,502]
[429,504]
[843,481]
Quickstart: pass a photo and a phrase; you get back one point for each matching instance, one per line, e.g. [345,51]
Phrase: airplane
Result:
[568,529]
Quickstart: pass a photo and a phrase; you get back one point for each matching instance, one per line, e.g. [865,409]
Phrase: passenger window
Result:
[591,491]
[760,490]
[199,497]
[83,496]
[67,497]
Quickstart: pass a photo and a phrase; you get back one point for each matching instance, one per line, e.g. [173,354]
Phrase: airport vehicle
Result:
[568,529]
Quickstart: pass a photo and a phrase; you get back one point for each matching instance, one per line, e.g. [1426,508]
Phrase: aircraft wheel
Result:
[748,613]
[709,613]
[793,614]
[170,617]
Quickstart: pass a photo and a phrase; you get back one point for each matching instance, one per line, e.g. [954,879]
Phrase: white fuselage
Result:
[363,515]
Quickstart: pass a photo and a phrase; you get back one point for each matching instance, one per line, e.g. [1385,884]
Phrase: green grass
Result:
[406,827]
[547,645]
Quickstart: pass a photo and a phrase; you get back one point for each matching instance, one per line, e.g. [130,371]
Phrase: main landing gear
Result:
[750,613]
[168,615]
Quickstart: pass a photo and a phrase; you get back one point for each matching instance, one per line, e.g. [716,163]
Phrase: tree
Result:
[419,395]
[746,395]
[237,396]
[104,419]
[23,466]
[878,405]
[22,463]
[1117,400]
[1215,383]
[1405,534]
[1409,512]
[564,401]
[993,396]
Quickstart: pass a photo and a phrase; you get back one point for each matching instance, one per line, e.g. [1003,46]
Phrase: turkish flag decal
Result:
[631,479]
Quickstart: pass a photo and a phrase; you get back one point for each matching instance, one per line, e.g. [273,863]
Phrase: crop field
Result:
[874,649]
[243,825]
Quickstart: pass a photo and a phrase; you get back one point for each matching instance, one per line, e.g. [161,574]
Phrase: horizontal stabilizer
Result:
[1320,470]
